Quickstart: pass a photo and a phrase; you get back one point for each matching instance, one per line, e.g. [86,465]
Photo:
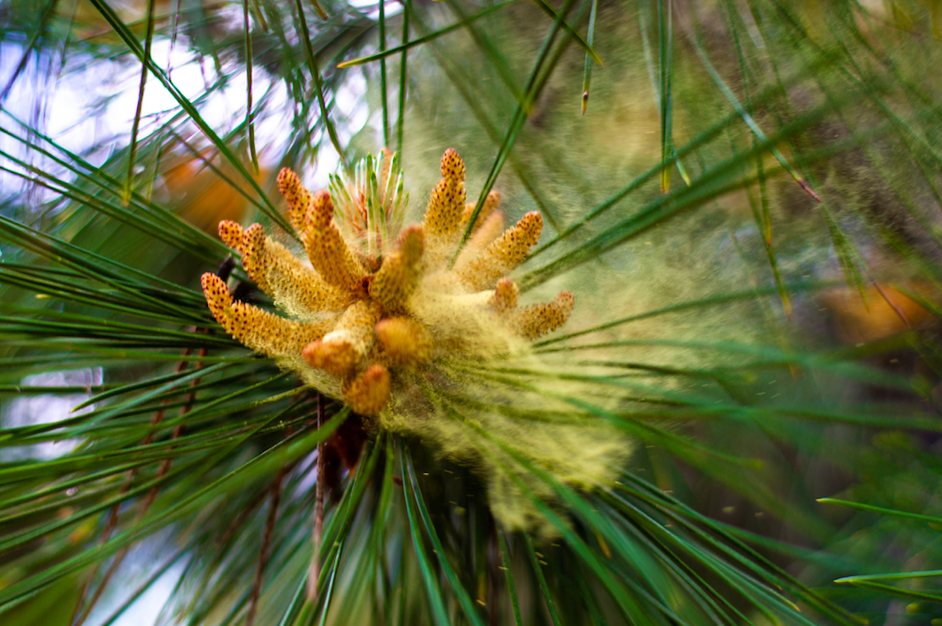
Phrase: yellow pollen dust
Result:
[378,304]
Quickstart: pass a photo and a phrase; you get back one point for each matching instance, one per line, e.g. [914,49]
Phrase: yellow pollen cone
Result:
[335,355]
[291,284]
[503,254]
[257,329]
[296,195]
[231,234]
[404,342]
[400,272]
[446,202]
[344,349]
[505,296]
[536,320]
[368,392]
[326,248]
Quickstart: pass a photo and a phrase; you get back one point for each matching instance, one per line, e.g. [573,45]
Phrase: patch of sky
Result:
[30,409]
[88,107]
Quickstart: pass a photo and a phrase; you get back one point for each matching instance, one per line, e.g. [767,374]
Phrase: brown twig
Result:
[224,270]
[899,312]
[112,521]
[254,504]
[266,544]
[493,575]
[314,573]
[148,500]
[260,496]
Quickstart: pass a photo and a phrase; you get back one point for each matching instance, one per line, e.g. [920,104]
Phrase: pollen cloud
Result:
[400,322]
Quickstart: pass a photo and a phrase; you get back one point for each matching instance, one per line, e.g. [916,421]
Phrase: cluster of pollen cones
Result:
[359,317]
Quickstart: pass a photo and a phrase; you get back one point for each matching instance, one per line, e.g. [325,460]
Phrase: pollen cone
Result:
[368,392]
[400,272]
[257,329]
[443,216]
[536,320]
[503,254]
[231,234]
[344,350]
[405,342]
[326,248]
[291,284]
[296,195]
[505,296]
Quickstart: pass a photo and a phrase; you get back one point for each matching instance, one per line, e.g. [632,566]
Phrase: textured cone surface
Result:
[536,320]
[491,202]
[291,284]
[503,254]
[257,329]
[231,234]
[446,207]
[255,256]
[327,249]
[367,393]
[296,195]
[401,271]
[344,350]
[505,296]
[405,343]
[490,230]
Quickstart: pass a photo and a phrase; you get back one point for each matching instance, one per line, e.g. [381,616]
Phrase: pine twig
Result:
[266,544]
[148,500]
[254,504]
[112,521]
[314,573]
